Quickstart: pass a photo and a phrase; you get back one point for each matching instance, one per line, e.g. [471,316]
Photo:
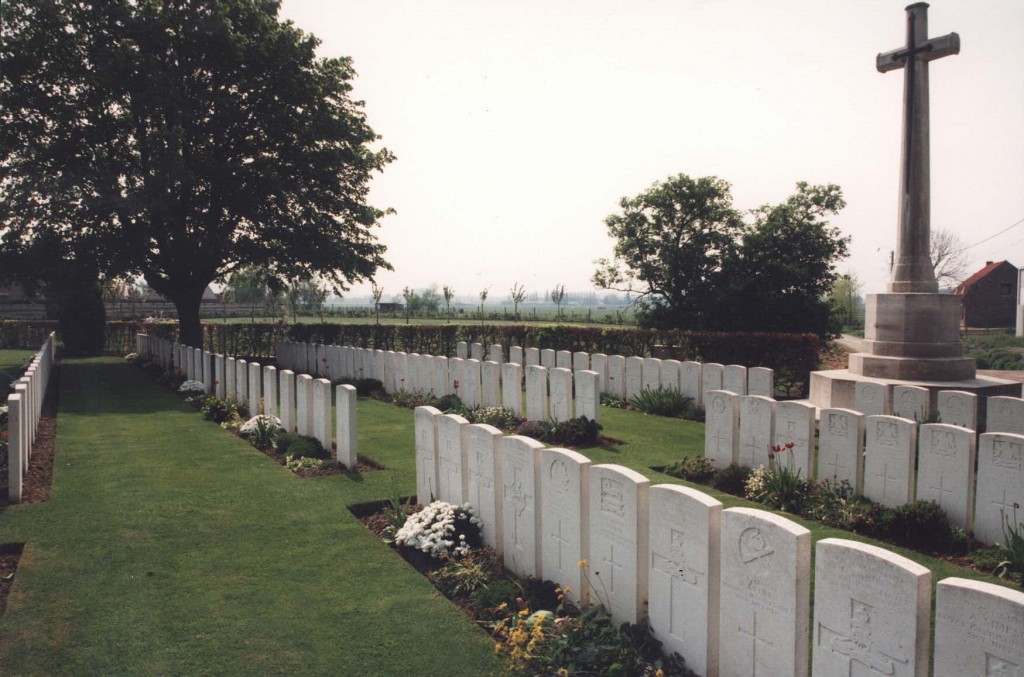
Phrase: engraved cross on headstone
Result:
[912,271]
[755,637]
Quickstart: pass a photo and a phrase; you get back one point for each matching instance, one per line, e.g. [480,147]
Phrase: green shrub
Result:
[448,404]
[576,432]
[410,399]
[464,575]
[368,387]
[1011,550]
[922,525]
[693,469]
[493,594]
[732,480]
[300,446]
[538,430]
[612,402]
[218,410]
[661,402]
[694,412]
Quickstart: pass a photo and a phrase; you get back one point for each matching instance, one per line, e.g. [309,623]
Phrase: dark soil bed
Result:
[10,553]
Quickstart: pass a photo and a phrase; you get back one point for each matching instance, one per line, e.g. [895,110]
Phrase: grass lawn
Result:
[171,546]
[11,362]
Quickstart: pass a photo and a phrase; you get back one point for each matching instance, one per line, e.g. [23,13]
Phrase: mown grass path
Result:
[169,546]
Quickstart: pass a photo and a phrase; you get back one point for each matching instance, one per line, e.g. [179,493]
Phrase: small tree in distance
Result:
[377,292]
[518,296]
[557,296]
[449,294]
[409,295]
[483,297]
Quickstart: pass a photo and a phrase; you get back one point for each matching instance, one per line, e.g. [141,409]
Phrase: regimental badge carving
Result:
[612,500]
[943,443]
[718,404]
[1007,455]
[887,433]
[754,544]
[558,473]
[837,425]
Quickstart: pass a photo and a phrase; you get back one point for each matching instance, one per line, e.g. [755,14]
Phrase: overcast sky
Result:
[518,126]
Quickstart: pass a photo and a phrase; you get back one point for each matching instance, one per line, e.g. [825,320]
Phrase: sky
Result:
[519,125]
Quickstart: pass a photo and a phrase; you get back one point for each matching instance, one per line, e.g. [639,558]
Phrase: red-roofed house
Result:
[989,297]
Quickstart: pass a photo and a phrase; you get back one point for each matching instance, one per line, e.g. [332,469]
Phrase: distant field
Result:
[586,317]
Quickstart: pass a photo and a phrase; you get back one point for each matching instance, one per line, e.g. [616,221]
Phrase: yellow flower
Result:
[558,591]
[659,673]
[562,672]
[582,563]
[497,648]
[524,612]
[567,590]
[502,606]
[517,653]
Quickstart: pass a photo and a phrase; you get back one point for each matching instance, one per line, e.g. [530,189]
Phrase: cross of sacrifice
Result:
[913,271]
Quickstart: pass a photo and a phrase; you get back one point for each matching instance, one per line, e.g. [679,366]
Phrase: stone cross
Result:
[912,271]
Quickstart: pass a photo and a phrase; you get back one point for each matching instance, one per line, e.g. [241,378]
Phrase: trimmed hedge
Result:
[792,356]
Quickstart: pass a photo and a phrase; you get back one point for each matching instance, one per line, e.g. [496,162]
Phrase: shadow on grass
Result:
[96,386]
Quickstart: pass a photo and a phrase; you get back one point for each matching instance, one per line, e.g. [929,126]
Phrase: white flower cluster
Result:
[755,486]
[3,413]
[432,530]
[300,463]
[249,427]
[192,388]
[131,356]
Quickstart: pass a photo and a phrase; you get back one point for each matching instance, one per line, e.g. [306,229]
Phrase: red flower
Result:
[790,445]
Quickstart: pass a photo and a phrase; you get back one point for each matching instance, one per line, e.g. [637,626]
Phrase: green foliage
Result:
[780,486]
[608,400]
[692,469]
[492,594]
[537,430]
[449,404]
[151,123]
[687,251]
[300,446]
[410,399]
[464,575]
[732,479]
[1012,548]
[368,387]
[661,401]
[923,525]
[218,410]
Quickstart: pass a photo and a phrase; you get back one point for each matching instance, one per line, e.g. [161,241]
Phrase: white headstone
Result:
[670,374]
[945,470]
[520,476]
[889,448]
[323,426]
[255,388]
[321,360]
[911,402]
[456,377]
[757,432]
[684,575]
[765,594]
[561,394]
[536,393]
[634,376]
[563,359]
[721,428]
[761,381]
[490,384]
[794,423]
[734,378]
[17,467]
[617,376]
[580,361]
[1000,488]
[242,384]
[979,629]
[547,358]
[219,382]
[872,611]
[651,373]
[270,407]
[599,363]
[872,399]
[452,479]
[532,357]
[439,383]
[495,353]
[1005,415]
[207,372]
[840,443]
[588,395]
[619,541]
[483,456]
[304,404]
[476,352]
[287,406]
[711,378]
[564,514]
[345,419]
[690,381]
[515,355]
[959,408]
[512,387]
[230,384]
[462,350]
[426,454]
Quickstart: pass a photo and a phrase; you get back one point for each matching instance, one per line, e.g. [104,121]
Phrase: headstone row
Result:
[24,411]
[303,403]
[729,589]
[889,459]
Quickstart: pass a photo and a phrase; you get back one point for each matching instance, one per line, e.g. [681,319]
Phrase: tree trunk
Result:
[190,329]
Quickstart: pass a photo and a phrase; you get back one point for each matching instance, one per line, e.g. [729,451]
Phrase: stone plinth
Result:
[835,388]
[912,337]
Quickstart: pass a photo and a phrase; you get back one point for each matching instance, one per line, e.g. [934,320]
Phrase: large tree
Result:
[673,242]
[180,140]
[697,265]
